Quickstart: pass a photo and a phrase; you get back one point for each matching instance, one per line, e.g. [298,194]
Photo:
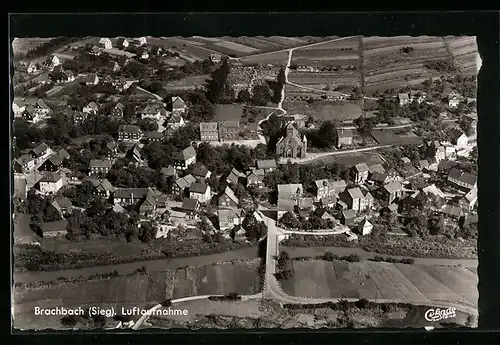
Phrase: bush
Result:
[362,303]
[353,258]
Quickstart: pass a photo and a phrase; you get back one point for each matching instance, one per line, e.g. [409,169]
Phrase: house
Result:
[142,53]
[462,180]
[383,178]
[41,152]
[417,96]
[201,172]
[344,137]
[105,43]
[148,204]
[356,200]
[118,110]
[191,207]
[156,50]
[348,217]
[41,107]
[150,111]
[391,192]
[365,227]
[91,108]
[180,185]
[326,187]
[129,196]
[440,153]
[234,176]
[63,205]
[423,164]
[102,187]
[229,218]
[200,191]
[51,183]
[53,229]
[360,173]
[31,115]
[79,117]
[209,131]
[51,62]
[392,208]
[53,163]
[328,201]
[89,80]
[32,68]
[405,160]
[452,211]
[122,42]
[110,149]
[445,166]
[100,166]
[114,66]
[23,164]
[18,107]
[178,105]
[130,133]
[215,58]
[403,99]
[291,145]
[141,41]
[458,138]
[185,158]
[134,155]
[174,122]
[255,178]
[168,171]
[153,136]
[454,100]
[471,120]
[469,200]
[323,213]
[288,196]
[305,204]
[228,199]
[268,165]
[229,130]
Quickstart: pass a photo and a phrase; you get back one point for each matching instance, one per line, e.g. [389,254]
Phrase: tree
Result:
[289,220]
[69,321]
[244,96]
[278,85]
[254,230]
[283,260]
[365,126]
[326,135]
[147,232]
[261,95]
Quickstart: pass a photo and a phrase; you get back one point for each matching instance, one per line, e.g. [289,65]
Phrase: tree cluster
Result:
[444,65]
[49,47]
[218,88]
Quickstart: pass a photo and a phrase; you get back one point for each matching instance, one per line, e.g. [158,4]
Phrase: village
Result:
[100,154]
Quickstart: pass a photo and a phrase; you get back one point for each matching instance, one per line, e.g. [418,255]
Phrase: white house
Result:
[454,100]
[178,105]
[403,99]
[105,43]
[200,191]
[91,108]
[18,107]
[141,41]
[51,183]
[365,227]
[122,43]
[32,68]
[151,111]
[185,158]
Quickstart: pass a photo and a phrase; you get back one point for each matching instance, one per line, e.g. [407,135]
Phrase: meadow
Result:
[327,110]
[372,280]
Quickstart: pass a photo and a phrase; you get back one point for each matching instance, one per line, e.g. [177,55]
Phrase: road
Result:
[150,93]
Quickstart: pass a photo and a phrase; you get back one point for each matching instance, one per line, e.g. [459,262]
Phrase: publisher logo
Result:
[440,314]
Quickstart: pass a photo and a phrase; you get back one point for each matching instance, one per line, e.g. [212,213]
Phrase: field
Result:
[187,83]
[372,280]
[388,137]
[385,66]
[320,80]
[273,58]
[324,111]
[350,159]
[465,54]
[217,280]
[234,112]
[22,45]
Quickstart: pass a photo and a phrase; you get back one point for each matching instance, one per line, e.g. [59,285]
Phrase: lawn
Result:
[234,112]
[187,83]
[371,280]
[391,137]
[349,159]
[326,111]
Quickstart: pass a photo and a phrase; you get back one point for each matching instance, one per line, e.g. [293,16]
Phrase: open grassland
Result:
[391,137]
[372,280]
[274,58]
[187,83]
[322,57]
[324,111]
[345,45]
[320,80]
[465,54]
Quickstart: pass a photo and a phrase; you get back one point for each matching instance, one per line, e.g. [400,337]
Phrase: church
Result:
[291,145]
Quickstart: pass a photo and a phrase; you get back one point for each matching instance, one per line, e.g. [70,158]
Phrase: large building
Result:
[291,145]
[229,130]
[209,131]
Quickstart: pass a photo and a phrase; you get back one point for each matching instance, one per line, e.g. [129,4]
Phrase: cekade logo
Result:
[440,314]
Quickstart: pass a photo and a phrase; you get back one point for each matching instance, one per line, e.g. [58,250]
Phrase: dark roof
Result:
[348,214]
[40,149]
[63,154]
[344,133]
[168,171]
[189,204]
[50,177]
[462,176]
[450,210]
[55,159]
[129,128]
[361,167]
[63,202]
[229,192]
[266,164]
[101,163]
[124,193]
[199,187]
[106,185]
[208,126]
[59,225]
[355,193]
[446,164]
[153,135]
[178,102]
[376,168]
[186,154]
[200,170]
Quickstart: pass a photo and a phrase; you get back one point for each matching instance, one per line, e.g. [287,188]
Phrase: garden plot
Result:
[324,111]
[187,83]
[320,80]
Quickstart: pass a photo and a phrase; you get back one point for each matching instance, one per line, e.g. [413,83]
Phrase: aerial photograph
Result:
[244,182]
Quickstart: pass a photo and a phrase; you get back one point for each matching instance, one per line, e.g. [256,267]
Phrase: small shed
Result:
[365,227]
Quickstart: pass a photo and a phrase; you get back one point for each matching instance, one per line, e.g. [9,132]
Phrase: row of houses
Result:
[219,131]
